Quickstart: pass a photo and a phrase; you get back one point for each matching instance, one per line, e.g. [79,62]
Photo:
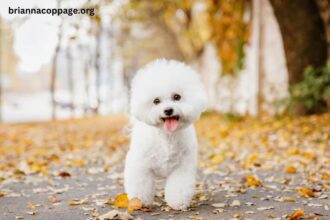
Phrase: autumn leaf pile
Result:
[293,145]
[50,148]
[285,158]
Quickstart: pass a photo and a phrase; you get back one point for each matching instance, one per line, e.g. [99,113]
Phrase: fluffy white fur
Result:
[155,151]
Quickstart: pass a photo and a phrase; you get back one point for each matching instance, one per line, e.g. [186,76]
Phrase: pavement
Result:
[219,196]
[248,169]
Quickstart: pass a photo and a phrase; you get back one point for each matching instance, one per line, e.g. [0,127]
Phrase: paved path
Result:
[44,198]
[249,169]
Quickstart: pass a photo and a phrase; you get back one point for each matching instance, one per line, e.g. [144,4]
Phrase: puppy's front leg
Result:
[138,181]
[180,185]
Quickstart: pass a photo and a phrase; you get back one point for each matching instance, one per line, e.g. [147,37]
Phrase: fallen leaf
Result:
[134,204]
[78,202]
[109,202]
[287,199]
[290,170]
[2,194]
[115,214]
[216,211]
[235,203]
[31,212]
[31,205]
[297,215]
[218,205]
[306,192]
[76,163]
[121,201]
[64,174]
[265,208]
[251,181]
[53,198]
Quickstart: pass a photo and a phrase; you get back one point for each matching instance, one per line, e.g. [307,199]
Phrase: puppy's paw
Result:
[178,203]
[178,199]
[147,198]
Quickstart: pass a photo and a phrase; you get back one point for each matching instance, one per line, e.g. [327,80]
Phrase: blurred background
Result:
[255,57]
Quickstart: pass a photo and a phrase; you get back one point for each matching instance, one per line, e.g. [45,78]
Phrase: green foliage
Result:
[313,92]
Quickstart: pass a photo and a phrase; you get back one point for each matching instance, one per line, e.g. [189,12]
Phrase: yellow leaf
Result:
[76,163]
[291,170]
[288,199]
[217,159]
[297,215]
[77,202]
[308,155]
[134,204]
[306,192]
[31,206]
[121,201]
[250,161]
[251,181]
[325,176]
[293,151]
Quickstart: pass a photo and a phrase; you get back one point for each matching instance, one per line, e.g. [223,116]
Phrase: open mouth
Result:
[171,123]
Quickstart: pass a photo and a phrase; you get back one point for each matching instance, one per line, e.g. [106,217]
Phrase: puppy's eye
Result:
[156,101]
[176,97]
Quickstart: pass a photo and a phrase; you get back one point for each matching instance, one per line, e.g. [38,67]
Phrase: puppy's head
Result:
[168,95]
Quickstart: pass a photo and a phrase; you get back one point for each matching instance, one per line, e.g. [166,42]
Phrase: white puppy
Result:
[166,98]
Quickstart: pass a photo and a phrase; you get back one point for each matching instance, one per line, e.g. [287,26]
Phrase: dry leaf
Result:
[31,205]
[115,214]
[235,203]
[64,174]
[2,194]
[77,202]
[121,201]
[306,192]
[31,212]
[265,208]
[53,198]
[251,181]
[76,163]
[297,215]
[134,204]
[109,202]
[218,205]
[290,170]
[287,199]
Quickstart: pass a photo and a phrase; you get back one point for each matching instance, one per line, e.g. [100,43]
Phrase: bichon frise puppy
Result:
[166,98]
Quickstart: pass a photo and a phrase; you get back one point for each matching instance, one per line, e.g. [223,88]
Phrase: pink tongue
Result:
[170,124]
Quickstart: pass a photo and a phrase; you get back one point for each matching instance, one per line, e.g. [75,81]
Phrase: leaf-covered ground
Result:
[249,169]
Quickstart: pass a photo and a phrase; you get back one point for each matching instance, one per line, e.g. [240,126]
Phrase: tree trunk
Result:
[54,67]
[86,81]
[303,35]
[98,67]
[70,80]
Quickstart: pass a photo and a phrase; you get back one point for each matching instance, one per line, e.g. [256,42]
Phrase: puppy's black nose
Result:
[168,111]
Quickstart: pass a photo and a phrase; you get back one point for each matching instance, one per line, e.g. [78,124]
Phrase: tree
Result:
[303,35]
[224,23]
[70,73]
[54,66]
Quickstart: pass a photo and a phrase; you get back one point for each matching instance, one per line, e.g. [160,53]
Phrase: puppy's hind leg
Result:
[138,181]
